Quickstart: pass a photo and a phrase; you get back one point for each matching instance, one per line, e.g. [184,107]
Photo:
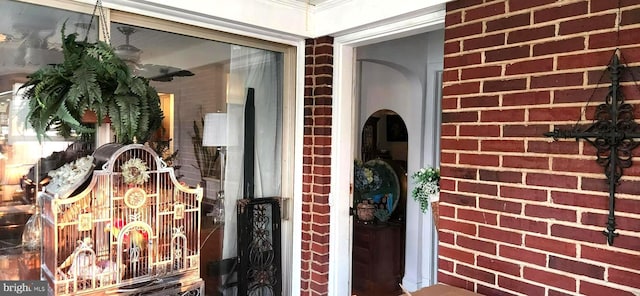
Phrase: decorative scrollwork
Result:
[177,231]
[262,270]
[135,216]
[135,197]
[134,253]
[259,268]
[194,292]
[613,134]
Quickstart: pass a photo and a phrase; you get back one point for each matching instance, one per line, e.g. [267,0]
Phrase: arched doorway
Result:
[380,191]
[401,86]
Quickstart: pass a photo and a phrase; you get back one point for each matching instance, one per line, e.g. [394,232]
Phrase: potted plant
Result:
[427,185]
[92,78]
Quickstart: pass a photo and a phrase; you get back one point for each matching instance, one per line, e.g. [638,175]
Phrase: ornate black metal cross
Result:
[614,135]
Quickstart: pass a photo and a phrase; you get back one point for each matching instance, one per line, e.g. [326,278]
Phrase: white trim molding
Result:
[280,19]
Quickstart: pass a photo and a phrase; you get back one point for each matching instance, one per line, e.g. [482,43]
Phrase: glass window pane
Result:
[30,38]
[196,79]
[203,86]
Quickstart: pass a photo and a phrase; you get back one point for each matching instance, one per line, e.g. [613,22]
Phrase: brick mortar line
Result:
[321,273]
[319,254]
[532,12]
[608,284]
[523,123]
[501,138]
[543,41]
[577,258]
[516,91]
[528,77]
[583,157]
[319,233]
[585,70]
[314,75]
[603,194]
[548,172]
[592,104]
[311,280]
[589,87]
[519,279]
[506,7]
[550,223]
[318,65]
[531,44]
[475,282]
[578,278]
[557,272]
[523,107]
[524,153]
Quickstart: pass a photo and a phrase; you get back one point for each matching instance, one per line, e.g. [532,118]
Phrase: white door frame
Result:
[344,140]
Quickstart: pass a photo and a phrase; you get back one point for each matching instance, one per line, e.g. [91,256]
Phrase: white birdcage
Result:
[126,227]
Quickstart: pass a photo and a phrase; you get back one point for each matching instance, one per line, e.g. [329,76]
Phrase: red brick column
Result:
[316,166]
[520,214]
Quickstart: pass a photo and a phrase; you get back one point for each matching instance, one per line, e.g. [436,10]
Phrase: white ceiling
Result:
[314,2]
[306,18]
[33,39]
[21,22]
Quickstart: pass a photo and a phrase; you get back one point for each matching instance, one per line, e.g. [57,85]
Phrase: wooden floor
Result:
[211,251]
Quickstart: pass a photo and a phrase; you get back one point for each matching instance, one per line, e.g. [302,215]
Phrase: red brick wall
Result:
[316,166]
[520,214]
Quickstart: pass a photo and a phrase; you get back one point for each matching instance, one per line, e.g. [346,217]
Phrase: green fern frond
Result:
[64,115]
[85,80]
[155,112]
[101,113]
[122,88]
[143,130]
[114,114]
[138,86]
[74,94]
[91,77]
[129,114]
[63,130]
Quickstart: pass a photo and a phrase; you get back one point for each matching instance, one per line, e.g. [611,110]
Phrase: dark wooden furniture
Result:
[378,260]
[370,139]
[19,266]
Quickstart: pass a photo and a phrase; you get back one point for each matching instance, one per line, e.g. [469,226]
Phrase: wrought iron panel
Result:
[259,256]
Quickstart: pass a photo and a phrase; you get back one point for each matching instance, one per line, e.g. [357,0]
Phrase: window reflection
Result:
[193,77]
[30,37]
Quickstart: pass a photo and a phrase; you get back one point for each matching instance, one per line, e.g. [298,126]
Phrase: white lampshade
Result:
[215,130]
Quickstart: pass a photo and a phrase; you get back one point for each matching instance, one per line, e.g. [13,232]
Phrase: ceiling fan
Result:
[131,55]
[29,45]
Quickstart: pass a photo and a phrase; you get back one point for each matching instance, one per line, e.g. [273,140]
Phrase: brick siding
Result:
[316,166]
[520,214]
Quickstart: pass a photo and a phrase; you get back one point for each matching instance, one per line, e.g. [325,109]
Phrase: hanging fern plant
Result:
[91,78]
